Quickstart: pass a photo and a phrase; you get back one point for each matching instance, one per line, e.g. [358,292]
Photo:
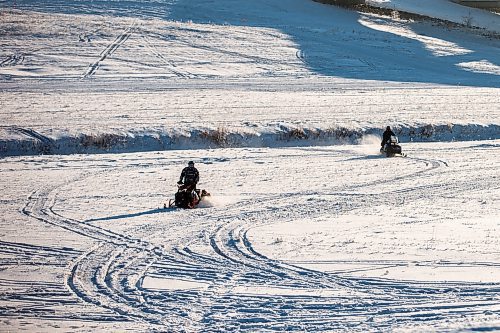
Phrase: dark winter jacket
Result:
[386,137]
[190,176]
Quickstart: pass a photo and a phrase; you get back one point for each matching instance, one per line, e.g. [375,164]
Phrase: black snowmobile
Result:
[392,148]
[187,197]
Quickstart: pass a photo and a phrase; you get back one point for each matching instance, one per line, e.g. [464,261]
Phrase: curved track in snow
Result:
[211,275]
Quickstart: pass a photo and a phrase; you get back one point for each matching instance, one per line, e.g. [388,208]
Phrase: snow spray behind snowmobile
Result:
[187,197]
[392,148]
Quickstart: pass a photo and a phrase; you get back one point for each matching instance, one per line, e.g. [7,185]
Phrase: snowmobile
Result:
[392,148]
[186,197]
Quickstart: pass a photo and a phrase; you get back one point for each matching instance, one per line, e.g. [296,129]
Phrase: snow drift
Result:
[30,142]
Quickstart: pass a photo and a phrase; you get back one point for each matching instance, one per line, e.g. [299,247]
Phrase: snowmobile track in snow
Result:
[170,65]
[12,60]
[242,289]
[108,51]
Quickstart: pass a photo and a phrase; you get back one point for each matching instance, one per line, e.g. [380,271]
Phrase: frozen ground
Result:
[343,240]
[167,76]
[280,104]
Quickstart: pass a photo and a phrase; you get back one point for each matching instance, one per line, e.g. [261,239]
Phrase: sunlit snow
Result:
[281,105]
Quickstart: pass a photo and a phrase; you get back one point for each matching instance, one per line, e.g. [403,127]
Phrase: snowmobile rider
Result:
[189,177]
[386,136]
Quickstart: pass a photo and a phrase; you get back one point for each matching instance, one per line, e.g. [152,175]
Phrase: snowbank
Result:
[23,141]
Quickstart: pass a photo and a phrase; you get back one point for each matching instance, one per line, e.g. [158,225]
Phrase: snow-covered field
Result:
[280,104]
[256,74]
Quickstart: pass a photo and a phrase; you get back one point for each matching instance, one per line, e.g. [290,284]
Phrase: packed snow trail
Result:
[235,266]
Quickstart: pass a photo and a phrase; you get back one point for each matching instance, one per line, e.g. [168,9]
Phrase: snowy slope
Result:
[316,59]
[445,10]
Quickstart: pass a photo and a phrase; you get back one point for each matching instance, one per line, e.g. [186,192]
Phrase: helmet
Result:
[388,128]
[191,163]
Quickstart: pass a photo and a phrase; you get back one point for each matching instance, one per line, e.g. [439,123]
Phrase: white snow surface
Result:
[281,105]
[108,76]
[445,10]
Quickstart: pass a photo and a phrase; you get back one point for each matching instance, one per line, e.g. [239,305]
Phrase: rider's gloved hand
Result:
[179,182]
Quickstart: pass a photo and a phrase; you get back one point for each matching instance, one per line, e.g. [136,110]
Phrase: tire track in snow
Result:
[246,291]
[18,297]
[379,298]
[411,302]
[33,250]
[430,165]
[102,275]
[163,59]
[45,144]
[225,239]
[257,311]
[12,60]
[109,50]
[243,56]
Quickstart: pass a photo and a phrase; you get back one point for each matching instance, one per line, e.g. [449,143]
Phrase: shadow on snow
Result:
[331,41]
[127,216]
[343,43]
